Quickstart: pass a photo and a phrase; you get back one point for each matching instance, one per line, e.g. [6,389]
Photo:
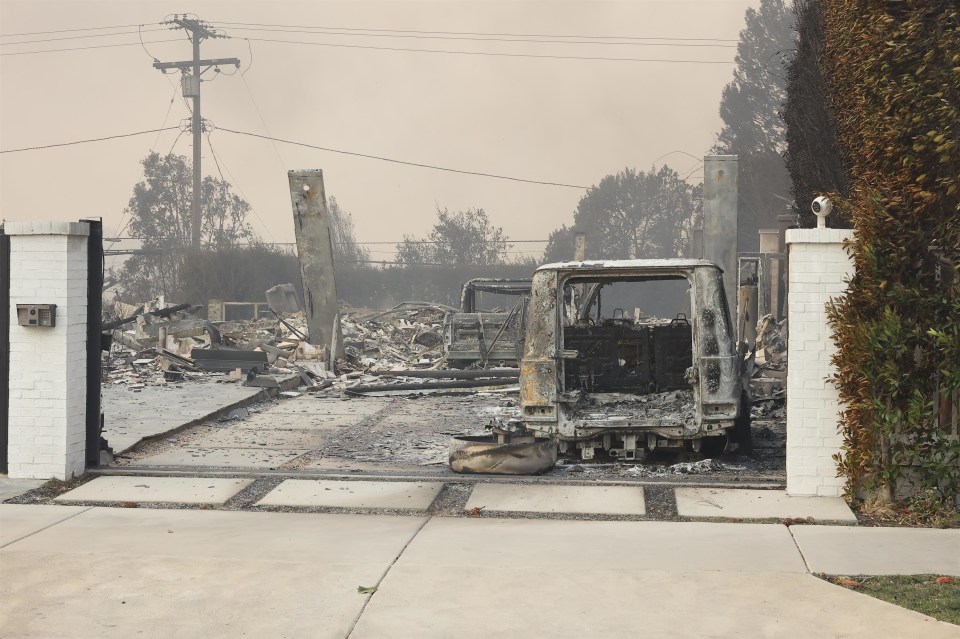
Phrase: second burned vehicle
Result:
[626,357]
[484,332]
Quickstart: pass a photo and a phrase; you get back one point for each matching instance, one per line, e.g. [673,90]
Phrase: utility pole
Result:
[190,86]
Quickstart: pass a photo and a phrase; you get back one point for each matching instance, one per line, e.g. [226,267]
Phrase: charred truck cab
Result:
[625,357]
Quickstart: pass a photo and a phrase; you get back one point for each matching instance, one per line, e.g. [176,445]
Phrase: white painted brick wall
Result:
[48,265]
[818,267]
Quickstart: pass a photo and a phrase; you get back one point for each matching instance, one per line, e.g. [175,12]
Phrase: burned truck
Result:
[480,335]
[631,356]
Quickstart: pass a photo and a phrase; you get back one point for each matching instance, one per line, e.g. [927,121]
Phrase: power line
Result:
[150,55]
[176,139]
[480,33]
[237,184]
[698,159]
[77,37]
[173,97]
[260,115]
[356,34]
[99,46]
[490,53]
[404,162]
[16,35]
[155,142]
[109,137]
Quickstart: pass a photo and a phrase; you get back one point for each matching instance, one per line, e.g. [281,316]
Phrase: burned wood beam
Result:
[163,312]
[287,324]
[227,360]
[181,362]
[449,374]
[360,389]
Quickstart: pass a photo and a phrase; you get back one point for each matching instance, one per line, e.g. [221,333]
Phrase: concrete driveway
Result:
[76,571]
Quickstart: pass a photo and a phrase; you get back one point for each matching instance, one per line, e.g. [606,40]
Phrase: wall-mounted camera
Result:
[821,207]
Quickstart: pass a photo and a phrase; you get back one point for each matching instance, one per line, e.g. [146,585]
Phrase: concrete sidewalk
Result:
[114,572]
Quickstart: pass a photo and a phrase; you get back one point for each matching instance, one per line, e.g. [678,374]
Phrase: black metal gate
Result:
[94,320]
[4,348]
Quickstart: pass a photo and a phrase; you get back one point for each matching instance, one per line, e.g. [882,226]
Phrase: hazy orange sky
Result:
[554,119]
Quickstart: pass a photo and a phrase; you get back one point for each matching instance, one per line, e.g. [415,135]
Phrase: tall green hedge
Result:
[892,72]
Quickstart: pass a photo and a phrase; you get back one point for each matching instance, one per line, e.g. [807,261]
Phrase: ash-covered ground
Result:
[412,434]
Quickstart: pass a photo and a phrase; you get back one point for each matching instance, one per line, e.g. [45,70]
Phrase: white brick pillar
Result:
[818,267]
[48,376]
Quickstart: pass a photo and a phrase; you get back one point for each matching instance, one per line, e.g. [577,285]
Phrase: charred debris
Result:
[400,350]
[622,384]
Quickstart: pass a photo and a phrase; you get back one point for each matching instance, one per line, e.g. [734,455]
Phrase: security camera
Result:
[821,207]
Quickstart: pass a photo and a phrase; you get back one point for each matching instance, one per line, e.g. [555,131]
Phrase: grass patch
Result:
[922,593]
[928,509]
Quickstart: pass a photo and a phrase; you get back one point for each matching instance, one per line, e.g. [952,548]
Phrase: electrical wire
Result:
[109,137]
[700,160]
[176,139]
[236,184]
[123,215]
[489,39]
[173,97]
[490,53]
[262,121]
[479,33]
[152,57]
[249,64]
[17,35]
[693,171]
[404,162]
[99,46]
[78,37]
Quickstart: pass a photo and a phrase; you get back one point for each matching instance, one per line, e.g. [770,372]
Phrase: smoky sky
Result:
[491,102]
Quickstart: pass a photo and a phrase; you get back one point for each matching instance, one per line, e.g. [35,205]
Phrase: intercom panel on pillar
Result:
[315,252]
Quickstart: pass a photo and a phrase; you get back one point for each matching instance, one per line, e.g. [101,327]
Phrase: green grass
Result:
[916,592]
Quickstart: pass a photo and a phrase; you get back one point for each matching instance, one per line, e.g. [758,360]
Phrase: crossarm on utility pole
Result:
[188,64]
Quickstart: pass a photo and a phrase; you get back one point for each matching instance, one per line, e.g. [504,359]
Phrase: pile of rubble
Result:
[399,350]
[407,336]
[768,377]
